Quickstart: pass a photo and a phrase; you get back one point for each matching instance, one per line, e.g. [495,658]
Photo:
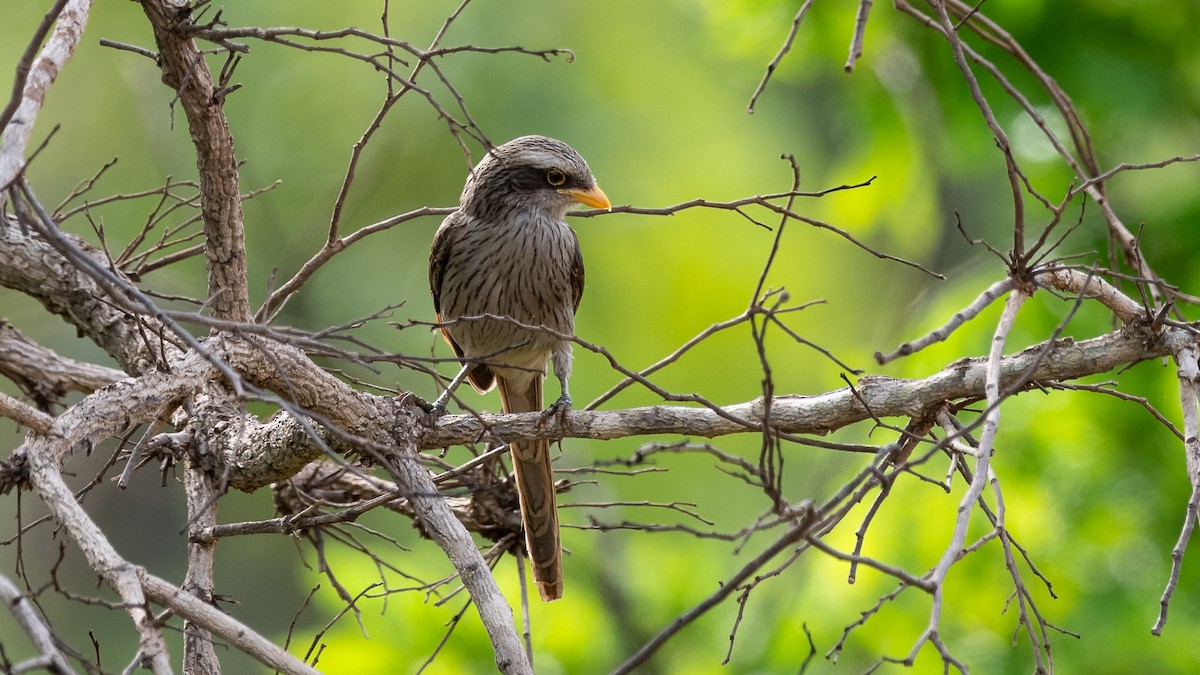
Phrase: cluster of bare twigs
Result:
[179,397]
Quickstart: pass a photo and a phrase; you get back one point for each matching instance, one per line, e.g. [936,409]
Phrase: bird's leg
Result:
[562,371]
[439,406]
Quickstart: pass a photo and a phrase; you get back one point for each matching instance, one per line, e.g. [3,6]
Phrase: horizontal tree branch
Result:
[24,414]
[26,361]
[279,447]
[874,396]
[257,454]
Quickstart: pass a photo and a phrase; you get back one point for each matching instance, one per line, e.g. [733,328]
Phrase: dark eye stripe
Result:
[532,178]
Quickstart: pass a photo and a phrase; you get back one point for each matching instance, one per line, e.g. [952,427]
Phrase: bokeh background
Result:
[656,100]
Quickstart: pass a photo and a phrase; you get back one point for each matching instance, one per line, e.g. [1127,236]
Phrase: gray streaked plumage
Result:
[507,252]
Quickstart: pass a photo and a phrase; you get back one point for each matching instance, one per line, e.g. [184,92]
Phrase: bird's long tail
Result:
[535,485]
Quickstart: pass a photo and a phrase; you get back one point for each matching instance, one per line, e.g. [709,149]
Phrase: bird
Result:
[506,274]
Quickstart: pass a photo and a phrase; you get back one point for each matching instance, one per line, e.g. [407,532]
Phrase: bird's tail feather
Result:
[535,485]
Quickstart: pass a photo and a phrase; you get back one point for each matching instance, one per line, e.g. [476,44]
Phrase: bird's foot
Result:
[561,408]
[434,410]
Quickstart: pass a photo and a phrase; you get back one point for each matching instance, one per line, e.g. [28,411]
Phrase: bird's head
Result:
[531,173]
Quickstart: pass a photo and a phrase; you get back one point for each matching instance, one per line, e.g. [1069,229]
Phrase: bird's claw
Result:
[560,408]
[433,410]
[437,408]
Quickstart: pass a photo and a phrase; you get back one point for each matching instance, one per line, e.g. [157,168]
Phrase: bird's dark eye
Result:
[555,177]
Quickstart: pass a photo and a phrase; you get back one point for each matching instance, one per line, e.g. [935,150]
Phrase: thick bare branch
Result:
[17,121]
[237,634]
[202,98]
[24,414]
[30,265]
[262,453]
[42,458]
[23,360]
[201,492]
[39,633]
[887,397]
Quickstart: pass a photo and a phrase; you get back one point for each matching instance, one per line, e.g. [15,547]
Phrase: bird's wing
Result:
[444,241]
[576,272]
[439,255]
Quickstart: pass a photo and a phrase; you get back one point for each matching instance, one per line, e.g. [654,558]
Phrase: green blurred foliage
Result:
[656,100]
